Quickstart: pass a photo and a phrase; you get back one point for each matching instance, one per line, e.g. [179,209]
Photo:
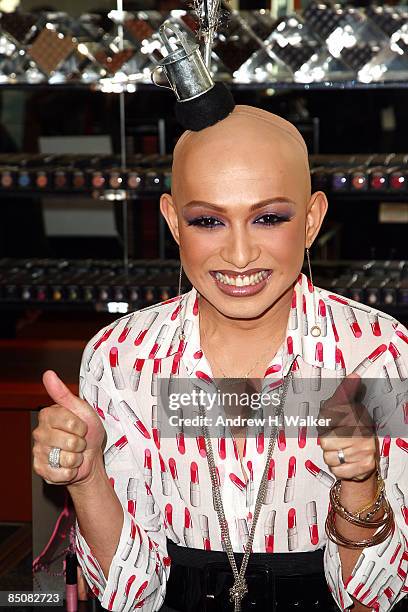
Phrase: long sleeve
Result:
[379,577]
[140,566]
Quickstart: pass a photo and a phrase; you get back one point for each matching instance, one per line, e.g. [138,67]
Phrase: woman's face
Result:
[239,214]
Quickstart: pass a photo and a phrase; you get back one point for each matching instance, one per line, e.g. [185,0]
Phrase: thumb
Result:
[59,392]
[347,389]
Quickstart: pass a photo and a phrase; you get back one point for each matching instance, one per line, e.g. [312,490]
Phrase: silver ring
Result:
[54,457]
[340,454]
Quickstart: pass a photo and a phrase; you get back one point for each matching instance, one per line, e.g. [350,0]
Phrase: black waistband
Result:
[282,563]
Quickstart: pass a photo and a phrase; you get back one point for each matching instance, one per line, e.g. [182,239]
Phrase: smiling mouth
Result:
[241,279]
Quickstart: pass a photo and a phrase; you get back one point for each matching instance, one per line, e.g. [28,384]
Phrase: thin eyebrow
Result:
[195,203]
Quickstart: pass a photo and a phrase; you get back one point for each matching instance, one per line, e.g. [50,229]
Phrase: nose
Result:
[240,249]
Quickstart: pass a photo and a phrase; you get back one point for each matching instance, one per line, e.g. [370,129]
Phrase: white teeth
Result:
[240,281]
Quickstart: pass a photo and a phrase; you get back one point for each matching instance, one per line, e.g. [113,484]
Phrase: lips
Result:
[241,284]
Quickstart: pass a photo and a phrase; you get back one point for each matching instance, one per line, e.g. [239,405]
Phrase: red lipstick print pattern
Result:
[162,478]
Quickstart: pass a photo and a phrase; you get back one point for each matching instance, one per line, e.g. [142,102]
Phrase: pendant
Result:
[315,331]
[238,590]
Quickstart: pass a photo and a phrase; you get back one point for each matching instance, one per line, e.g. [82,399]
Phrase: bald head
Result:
[248,137]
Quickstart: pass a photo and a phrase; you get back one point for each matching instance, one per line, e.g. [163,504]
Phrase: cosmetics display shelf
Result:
[105,285]
[350,176]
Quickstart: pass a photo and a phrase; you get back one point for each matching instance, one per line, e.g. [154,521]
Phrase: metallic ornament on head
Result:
[200,101]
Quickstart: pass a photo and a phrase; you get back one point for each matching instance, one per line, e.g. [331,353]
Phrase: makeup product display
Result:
[150,175]
[323,43]
[103,285]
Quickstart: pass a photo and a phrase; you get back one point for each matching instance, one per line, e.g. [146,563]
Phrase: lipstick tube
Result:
[188,529]
[154,380]
[173,472]
[131,493]
[136,373]
[205,533]
[243,532]
[173,341]
[384,456]
[311,514]
[136,421]
[270,487]
[269,530]
[94,399]
[116,576]
[402,572]
[376,353]
[126,329]
[364,578]
[357,566]
[384,546]
[302,429]
[281,435]
[395,553]
[113,450]
[151,559]
[115,369]
[305,324]
[326,479]
[402,444]
[297,384]
[222,443]
[165,480]
[386,381]
[374,586]
[399,364]
[149,508]
[240,484]
[194,485]
[169,521]
[352,321]
[129,544]
[292,530]
[250,486]
[333,325]
[375,324]
[399,496]
[322,319]
[290,482]
[156,426]
[293,318]
[97,369]
[71,582]
[147,469]
[181,445]
[150,319]
[158,342]
[111,410]
[340,365]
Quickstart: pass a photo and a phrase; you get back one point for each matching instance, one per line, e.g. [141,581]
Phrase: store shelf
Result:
[106,286]
[366,177]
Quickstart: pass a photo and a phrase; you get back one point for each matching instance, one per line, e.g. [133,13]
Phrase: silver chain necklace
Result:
[240,588]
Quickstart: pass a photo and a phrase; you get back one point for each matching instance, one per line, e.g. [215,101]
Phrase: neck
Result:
[226,331]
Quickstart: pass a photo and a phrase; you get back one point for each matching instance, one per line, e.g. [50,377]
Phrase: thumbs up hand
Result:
[349,428]
[72,425]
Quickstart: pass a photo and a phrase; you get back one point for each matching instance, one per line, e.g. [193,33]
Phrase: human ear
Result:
[315,213]
[168,210]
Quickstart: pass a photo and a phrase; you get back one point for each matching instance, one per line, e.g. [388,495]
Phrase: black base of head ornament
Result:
[200,101]
[206,109]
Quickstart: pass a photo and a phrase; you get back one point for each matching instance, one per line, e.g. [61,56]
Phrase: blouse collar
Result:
[298,341]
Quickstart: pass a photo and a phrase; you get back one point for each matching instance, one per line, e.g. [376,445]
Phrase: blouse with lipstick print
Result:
[161,476]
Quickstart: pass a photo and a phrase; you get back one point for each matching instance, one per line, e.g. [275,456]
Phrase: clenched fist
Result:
[350,429]
[72,425]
